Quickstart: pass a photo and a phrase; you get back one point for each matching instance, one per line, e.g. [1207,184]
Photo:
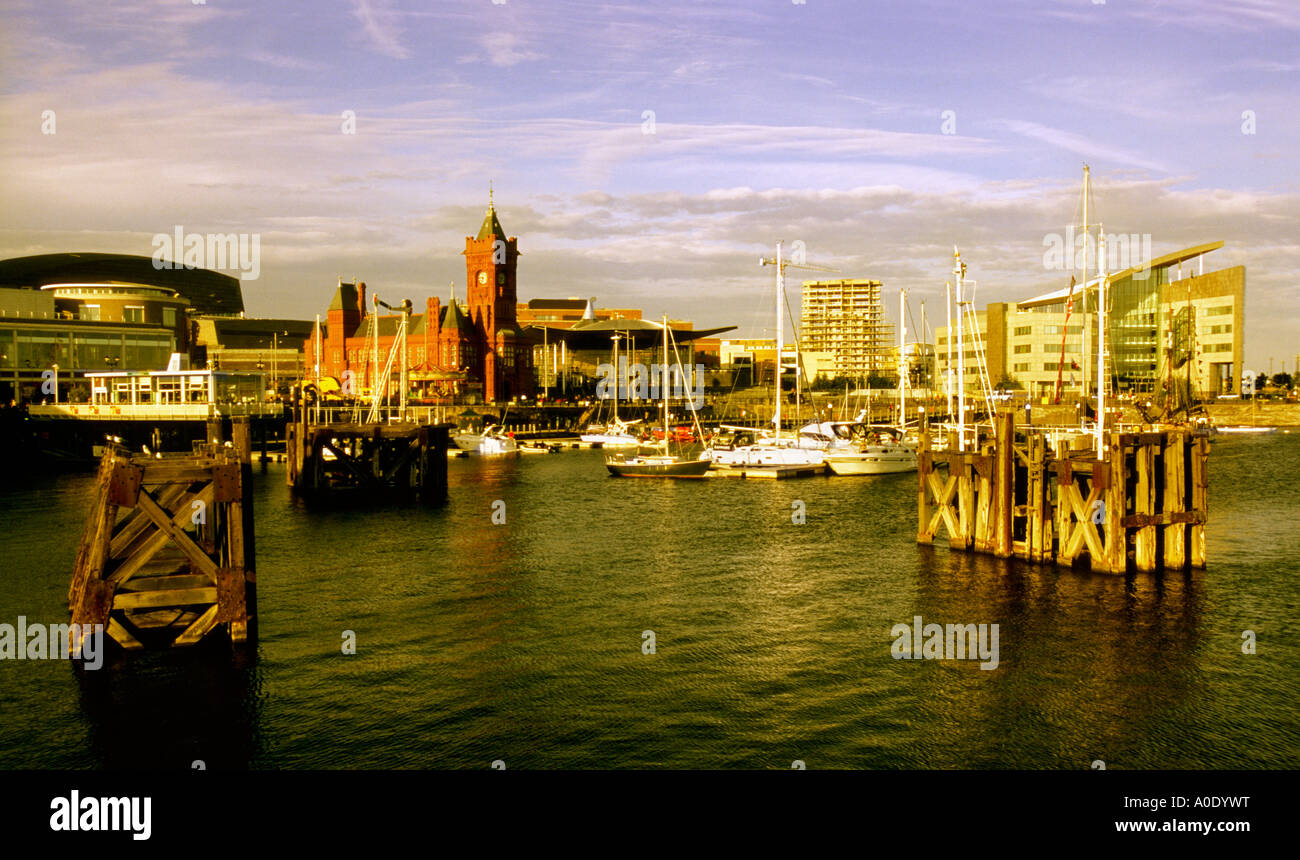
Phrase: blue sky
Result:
[820,122]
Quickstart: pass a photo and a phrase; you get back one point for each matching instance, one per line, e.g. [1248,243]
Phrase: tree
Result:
[1282,380]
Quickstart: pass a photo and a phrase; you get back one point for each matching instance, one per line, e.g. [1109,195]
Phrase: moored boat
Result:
[880,452]
[655,466]
[658,465]
[495,441]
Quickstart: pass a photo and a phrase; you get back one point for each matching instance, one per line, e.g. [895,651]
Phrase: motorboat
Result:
[878,451]
[495,441]
[617,434]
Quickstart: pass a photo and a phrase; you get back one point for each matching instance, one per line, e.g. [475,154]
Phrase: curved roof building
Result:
[206,291]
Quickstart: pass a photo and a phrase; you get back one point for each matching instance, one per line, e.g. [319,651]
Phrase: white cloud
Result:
[379,20]
[1080,145]
[505,49]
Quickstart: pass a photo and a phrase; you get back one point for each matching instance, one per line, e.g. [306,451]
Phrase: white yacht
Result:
[617,434]
[878,451]
[748,446]
[495,441]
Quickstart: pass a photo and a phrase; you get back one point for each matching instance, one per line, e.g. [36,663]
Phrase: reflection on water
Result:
[168,710]
[522,641]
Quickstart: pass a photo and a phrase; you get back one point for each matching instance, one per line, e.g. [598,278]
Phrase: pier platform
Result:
[1141,505]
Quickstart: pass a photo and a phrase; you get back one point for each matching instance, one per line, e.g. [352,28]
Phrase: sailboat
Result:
[881,450]
[617,433]
[658,465]
[768,450]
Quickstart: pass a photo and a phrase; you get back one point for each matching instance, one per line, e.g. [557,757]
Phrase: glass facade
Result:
[41,348]
[1133,323]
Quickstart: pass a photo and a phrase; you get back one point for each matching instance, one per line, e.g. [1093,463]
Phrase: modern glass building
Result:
[1166,318]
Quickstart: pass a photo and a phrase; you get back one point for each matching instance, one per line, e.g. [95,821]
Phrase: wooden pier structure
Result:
[167,555]
[373,461]
[1143,506]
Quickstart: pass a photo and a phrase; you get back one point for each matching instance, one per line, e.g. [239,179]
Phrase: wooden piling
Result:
[1200,482]
[1142,506]
[371,461]
[1175,499]
[1003,484]
[180,563]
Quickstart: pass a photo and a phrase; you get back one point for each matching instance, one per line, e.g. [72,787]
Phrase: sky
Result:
[647,154]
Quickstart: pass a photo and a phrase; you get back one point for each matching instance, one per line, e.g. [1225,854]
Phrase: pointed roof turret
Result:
[345,297]
[590,312]
[491,224]
[454,319]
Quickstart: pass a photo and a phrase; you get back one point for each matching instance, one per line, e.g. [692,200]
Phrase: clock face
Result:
[482,277]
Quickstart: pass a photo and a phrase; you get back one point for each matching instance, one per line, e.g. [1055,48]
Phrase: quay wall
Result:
[1262,414]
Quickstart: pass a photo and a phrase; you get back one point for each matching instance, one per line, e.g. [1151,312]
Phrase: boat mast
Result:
[947,377]
[617,377]
[902,360]
[959,271]
[780,316]
[1087,240]
[929,375]
[404,377]
[665,383]
[1101,340]
[317,345]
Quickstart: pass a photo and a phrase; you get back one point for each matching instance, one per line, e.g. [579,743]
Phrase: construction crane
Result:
[781,309]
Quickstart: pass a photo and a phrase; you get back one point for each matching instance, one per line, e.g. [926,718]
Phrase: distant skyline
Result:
[647,154]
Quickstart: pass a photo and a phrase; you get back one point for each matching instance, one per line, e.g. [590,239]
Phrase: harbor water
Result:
[550,616]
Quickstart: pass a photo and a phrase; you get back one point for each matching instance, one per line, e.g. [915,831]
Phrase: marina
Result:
[776,648]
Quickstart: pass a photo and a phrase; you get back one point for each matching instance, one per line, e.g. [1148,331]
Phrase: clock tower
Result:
[490,260]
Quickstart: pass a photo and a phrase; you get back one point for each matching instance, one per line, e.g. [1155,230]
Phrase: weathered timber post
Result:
[1200,495]
[924,466]
[441,441]
[1003,485]
[1115,558]
[982,480]
[1037,535]
[1175,499]
[1062,510]
[1145,539]
[965,501]
[242,544]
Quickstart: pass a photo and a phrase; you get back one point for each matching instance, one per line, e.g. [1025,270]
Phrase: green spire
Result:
[491,224]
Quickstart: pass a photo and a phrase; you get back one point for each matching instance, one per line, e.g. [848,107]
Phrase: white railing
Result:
[387,414]
[152,411]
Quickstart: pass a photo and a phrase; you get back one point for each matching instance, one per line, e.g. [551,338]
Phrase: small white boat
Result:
[1245,429]
[494,441]
[616,435]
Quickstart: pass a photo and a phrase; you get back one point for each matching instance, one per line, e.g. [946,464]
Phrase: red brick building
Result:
[450,350]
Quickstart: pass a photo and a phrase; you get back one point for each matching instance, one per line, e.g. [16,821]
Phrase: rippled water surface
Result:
[523,641]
